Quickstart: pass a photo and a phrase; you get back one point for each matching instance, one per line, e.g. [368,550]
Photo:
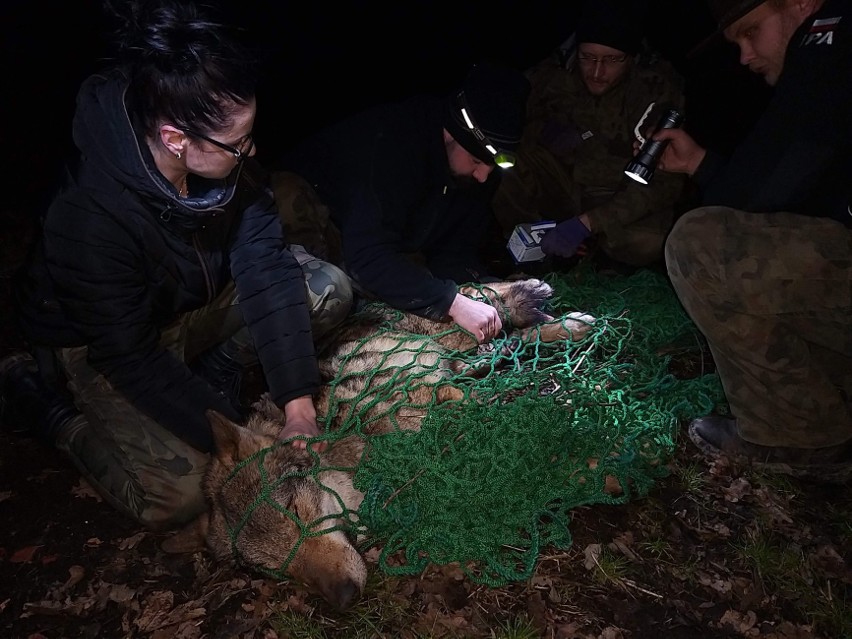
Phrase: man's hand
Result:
[301,420]
[682,154]
[478,318]
[565,238]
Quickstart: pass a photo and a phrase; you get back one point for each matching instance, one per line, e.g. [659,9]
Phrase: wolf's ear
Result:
[226,435]
[190,538]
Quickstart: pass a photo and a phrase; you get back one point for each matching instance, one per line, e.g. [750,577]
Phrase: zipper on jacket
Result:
[208,280]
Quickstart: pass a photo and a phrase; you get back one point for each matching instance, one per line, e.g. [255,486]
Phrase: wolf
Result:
[279,508]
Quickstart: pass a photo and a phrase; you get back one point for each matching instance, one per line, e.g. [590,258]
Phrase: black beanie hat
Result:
[496,100]
[613,23]
[725,12]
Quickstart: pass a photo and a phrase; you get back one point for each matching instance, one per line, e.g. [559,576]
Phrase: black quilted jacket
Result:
[384,175]
[121,256]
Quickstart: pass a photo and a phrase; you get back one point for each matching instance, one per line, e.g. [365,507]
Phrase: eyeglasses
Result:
[240,152]
[607,60]
[503,159]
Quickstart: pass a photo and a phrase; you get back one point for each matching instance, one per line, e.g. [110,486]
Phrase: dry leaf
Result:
[744,624]
[76,574]
[612,486]
[24,555]
[154,610]
[84,490]
[120,593]
[591,553]
[48,559]
[828,561]
[738,489]
[132,542]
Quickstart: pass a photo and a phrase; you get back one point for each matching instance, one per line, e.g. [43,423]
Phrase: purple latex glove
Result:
[564,238]
[559,138]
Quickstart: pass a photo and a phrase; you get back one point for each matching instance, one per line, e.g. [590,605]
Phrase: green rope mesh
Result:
[265,497]
[490,480]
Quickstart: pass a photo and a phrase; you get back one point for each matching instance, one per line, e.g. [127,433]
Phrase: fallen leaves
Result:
[829,563]
[75,575]
[669,559]
[132,542]
[159,611]
[741,623]
[24,555]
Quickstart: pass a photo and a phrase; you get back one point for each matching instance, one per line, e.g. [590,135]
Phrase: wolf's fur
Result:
[265,536]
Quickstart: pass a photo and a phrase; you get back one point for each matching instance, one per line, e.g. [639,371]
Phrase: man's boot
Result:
[27,404]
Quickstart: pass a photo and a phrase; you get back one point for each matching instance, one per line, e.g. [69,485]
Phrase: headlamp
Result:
[502,158]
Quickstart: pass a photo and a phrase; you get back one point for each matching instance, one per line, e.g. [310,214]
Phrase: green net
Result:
[531,431]
[491,480]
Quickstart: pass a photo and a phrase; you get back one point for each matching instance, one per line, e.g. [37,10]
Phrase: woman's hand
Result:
[301,421]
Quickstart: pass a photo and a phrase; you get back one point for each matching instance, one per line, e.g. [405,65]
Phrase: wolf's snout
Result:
[343,594]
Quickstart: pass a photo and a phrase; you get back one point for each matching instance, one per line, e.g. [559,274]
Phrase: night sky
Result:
[326,59]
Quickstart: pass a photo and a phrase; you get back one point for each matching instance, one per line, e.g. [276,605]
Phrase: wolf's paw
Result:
[578,324]
[525,300]
[485,349]
[572,328]
[533,289]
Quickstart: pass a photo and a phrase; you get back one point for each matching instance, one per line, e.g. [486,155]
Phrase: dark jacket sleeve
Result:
[389,191]
[375,256]
[456,256]
[272,297]
[710,166]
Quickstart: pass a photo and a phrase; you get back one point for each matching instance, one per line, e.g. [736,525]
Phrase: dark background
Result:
[326,59]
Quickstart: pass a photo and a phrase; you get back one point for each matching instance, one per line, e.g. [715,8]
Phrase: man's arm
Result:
[682,154]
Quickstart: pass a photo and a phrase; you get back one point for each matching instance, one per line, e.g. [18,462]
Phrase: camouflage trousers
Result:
[306,220]
[136,465]
[773,295]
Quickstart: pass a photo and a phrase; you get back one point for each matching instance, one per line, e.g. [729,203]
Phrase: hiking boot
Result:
[718,436]
[28,406]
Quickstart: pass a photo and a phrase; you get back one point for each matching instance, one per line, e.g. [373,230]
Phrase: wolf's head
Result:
[271,507]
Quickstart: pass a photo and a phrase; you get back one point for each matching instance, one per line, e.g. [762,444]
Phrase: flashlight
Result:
[641,168]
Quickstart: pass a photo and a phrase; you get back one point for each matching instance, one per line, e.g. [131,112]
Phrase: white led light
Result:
[467,119]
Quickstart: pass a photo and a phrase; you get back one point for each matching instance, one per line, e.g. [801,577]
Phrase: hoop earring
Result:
[177,155]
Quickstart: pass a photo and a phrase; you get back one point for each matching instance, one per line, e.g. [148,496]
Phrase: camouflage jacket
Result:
[601,133]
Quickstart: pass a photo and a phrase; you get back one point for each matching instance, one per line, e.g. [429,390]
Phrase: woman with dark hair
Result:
[161,272]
